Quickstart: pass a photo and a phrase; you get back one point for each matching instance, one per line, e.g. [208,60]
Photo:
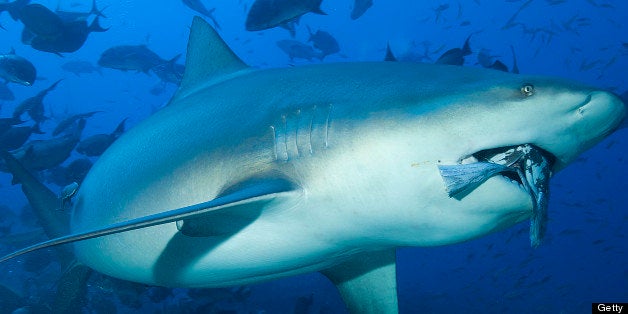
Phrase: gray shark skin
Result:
[251,175]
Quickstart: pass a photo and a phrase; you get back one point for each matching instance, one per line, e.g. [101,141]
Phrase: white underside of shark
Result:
[318,168]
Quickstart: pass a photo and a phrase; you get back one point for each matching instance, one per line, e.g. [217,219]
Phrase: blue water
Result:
[584,257]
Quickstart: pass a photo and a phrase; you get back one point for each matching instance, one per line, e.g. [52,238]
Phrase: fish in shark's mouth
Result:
[526,164]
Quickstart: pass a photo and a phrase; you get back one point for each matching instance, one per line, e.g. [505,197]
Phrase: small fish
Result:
[265,14]
[95,145]
[130,57]
[439,10]
[298,50]
[65,123]
[324,42]
[499,66]
[16,69]
[34,105]
[80,67]
[455,56]
[198,6]
[67,193]
[170,71]
[360,7]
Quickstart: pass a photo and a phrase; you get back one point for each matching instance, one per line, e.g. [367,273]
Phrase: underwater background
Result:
[584,256]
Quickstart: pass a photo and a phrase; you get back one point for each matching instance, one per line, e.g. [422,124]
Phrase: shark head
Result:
[562,117]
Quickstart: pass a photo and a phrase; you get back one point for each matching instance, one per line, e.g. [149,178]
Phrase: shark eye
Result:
[527,90]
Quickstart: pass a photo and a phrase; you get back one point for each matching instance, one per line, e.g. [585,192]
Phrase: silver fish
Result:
[530,164]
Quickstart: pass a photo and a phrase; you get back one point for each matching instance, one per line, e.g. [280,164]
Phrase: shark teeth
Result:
[526,164]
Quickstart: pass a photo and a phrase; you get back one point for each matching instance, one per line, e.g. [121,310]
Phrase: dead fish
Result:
[531,165]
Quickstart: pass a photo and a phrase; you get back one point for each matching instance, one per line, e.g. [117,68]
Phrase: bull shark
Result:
[251,174]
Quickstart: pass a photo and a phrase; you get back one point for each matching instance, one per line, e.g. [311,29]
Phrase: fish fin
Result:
[367,282]
[35,129]
[389,54]
[96,11]
[515,68]
[466,49]
[460,180]
[317,9]
[208,56]
[499,66]
[43,201]
[174,59]
[226,222]
[119,129]
[246,192]
[95,26]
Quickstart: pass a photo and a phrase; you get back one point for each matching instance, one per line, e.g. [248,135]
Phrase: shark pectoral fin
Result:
[460,180]
[245,192]
[367,282]
[259,190]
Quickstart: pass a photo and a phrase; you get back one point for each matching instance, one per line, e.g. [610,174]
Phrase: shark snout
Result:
[603,112]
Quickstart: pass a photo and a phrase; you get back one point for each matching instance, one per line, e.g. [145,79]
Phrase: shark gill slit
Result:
[284,121]
[328,124]
[310,132]
[296,131]
[274,132]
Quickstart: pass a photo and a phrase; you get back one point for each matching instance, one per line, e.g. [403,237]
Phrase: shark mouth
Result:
[527,165]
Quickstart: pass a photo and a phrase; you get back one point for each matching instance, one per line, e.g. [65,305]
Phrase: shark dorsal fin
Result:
[208,56]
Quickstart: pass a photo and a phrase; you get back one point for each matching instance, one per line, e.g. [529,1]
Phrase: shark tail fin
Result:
[367,282]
